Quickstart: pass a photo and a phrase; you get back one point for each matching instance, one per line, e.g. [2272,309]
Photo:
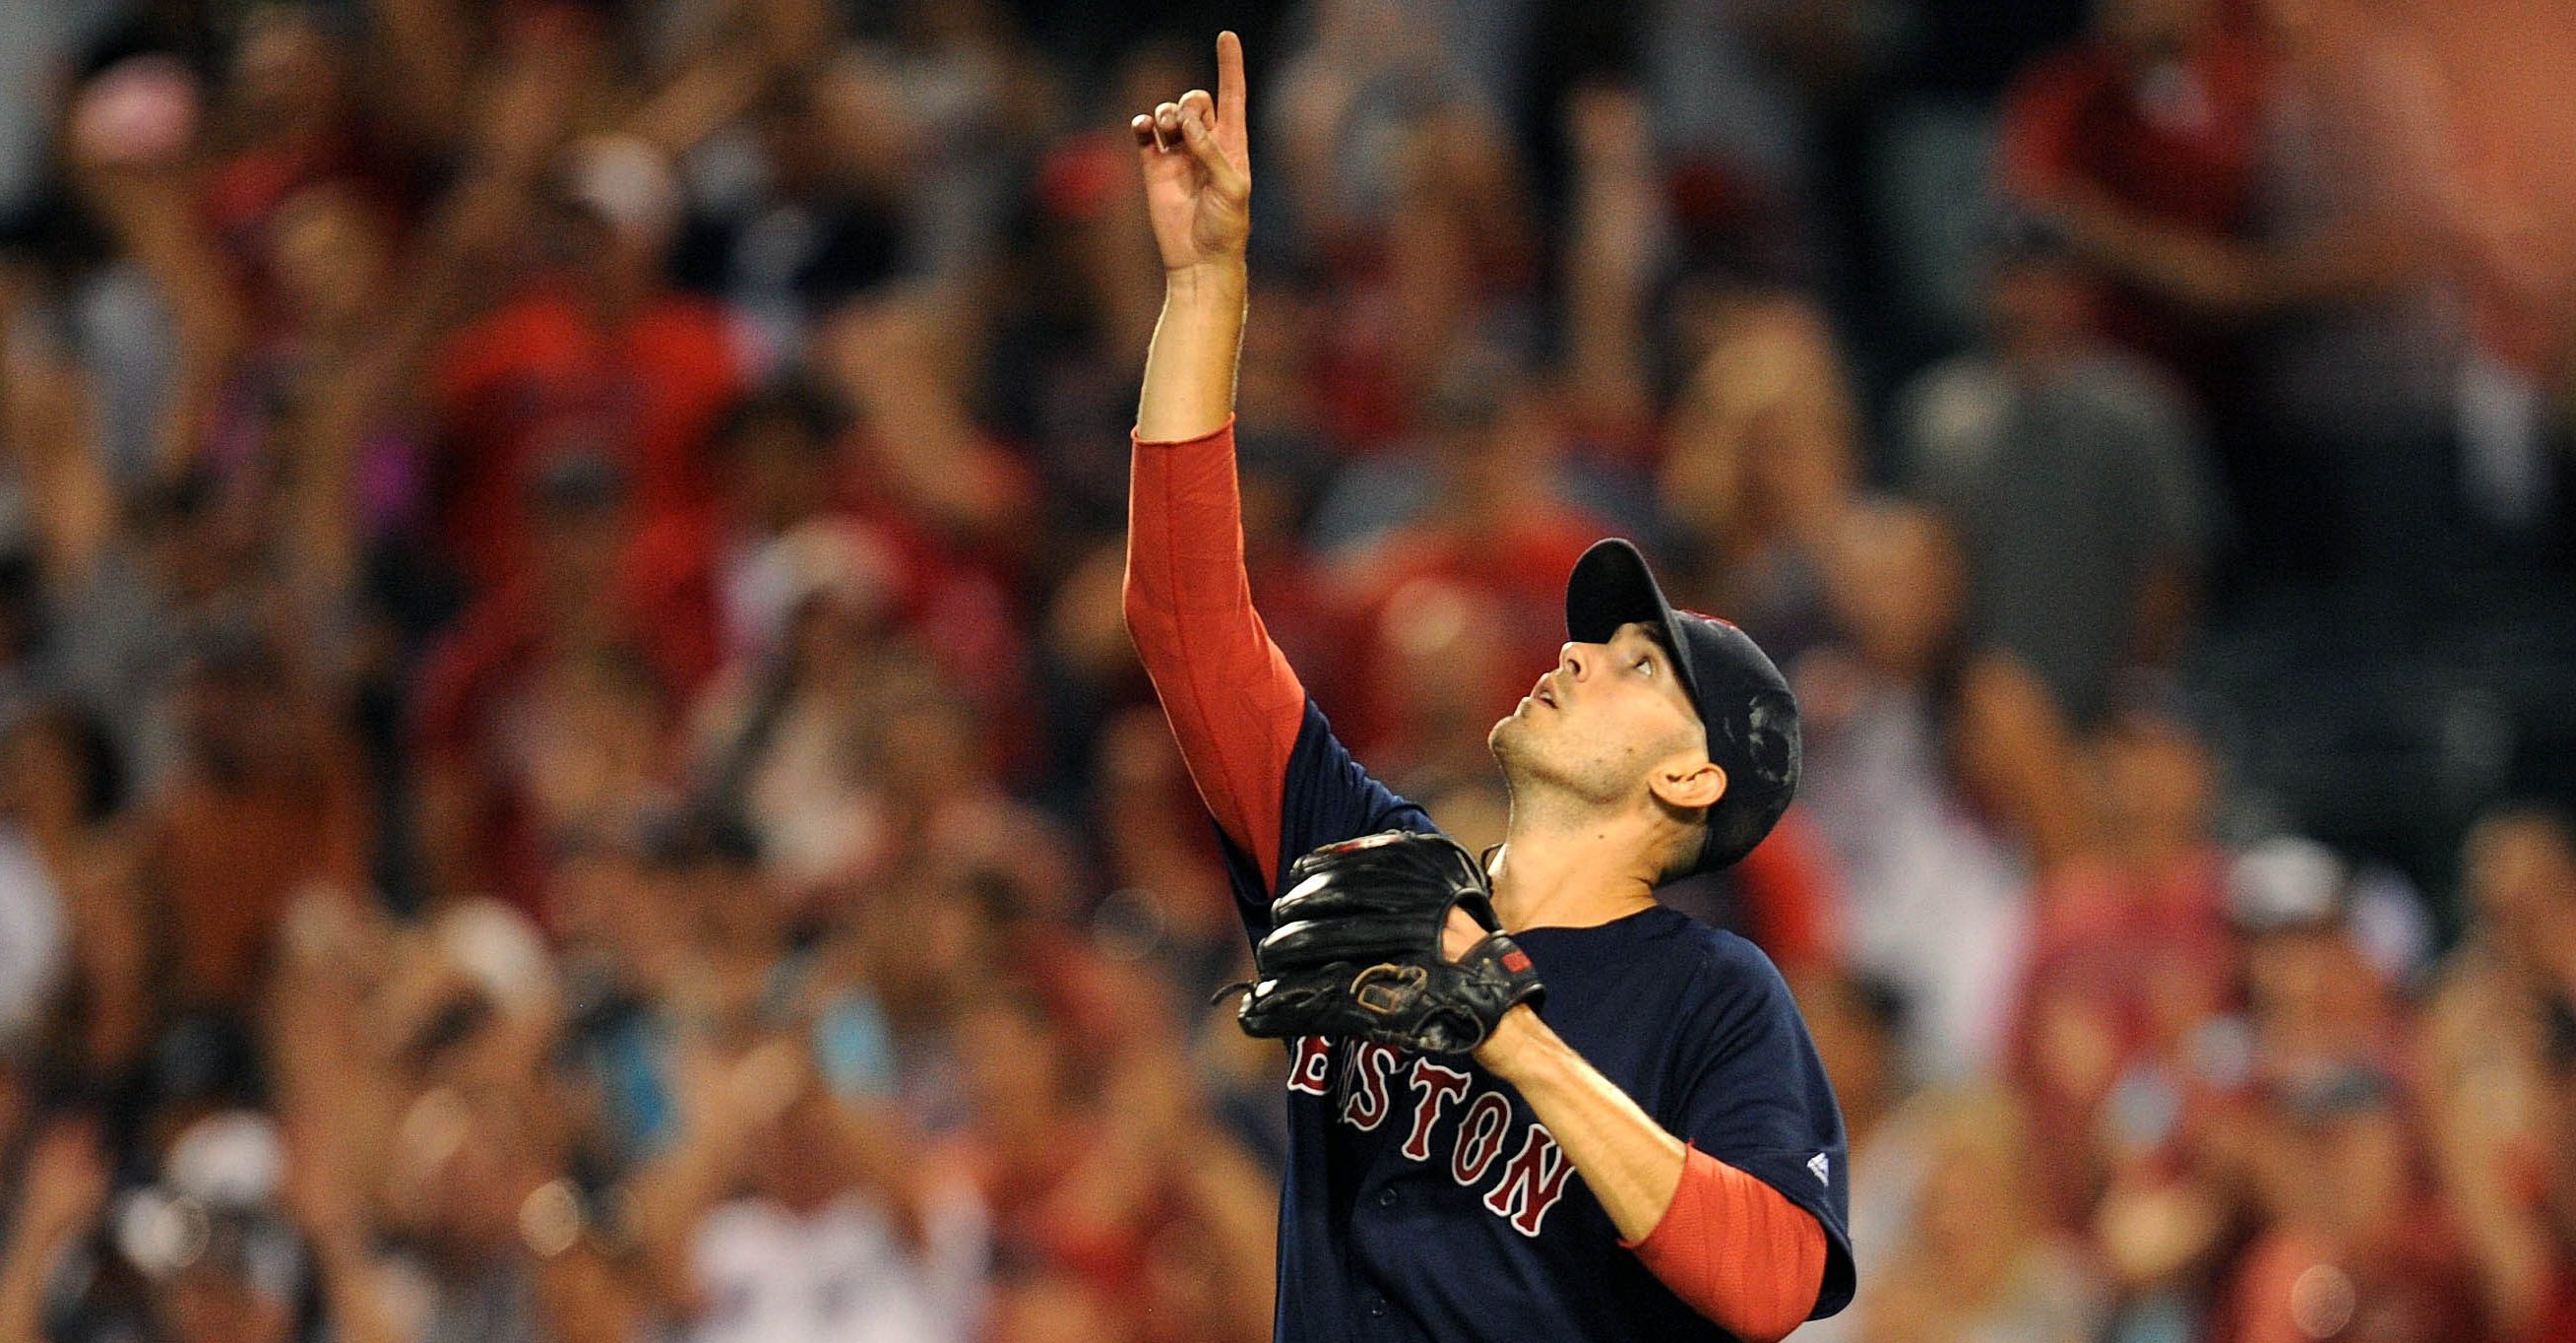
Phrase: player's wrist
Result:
[1215,278]
[1516,1038]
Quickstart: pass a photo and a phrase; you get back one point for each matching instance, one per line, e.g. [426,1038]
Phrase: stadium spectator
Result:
[1981,1262]
[1760,464]
[843,1227]
[595,354]
[266,801]
[2147,130]
[1912,845]
[2072,476]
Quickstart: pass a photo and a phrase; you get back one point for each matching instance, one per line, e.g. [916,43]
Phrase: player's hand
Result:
[1461,935]
[1198,169]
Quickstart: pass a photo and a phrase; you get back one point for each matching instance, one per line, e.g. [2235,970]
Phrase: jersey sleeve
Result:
[1325,795]
[1756,1098]
[1273,776]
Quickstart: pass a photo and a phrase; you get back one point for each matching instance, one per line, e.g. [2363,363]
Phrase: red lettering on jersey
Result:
[1310,1065]
[1440,1087]
[1532,1182]
[1480,1136]
[1364,1104]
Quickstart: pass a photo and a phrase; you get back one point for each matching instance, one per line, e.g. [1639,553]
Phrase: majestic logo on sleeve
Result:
[1821,1168]
[1526,1170]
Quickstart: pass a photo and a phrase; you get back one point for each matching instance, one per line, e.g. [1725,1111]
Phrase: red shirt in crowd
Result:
[1514,569]
[545,375]
[224,861]
[2173,143]
[663,608]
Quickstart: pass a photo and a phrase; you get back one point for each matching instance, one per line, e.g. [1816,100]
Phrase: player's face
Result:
[1601,719]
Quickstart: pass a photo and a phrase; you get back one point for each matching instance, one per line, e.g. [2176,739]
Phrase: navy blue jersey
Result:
[1424,1200]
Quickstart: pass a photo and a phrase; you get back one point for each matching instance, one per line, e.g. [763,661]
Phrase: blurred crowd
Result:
[570,768]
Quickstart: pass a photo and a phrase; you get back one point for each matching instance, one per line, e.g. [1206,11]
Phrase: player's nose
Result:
[1576,658]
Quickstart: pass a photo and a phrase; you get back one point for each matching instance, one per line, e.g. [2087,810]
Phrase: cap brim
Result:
[1610,587]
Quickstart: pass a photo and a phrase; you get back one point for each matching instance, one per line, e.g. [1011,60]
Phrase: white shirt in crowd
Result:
[770,1276]
[1936,907]
[33,940]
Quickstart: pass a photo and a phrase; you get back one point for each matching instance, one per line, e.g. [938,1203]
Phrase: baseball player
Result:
[1527,1101]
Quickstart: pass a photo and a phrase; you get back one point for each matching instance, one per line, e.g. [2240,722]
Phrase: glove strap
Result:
[1384,990]
[1498,959]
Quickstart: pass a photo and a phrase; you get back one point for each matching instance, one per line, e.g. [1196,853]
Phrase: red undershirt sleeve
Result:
[1234,703]
[1737,1251]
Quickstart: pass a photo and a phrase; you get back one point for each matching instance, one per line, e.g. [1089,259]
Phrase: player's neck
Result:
[1567,872]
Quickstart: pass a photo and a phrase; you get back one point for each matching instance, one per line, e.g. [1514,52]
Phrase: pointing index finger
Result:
[1229,91]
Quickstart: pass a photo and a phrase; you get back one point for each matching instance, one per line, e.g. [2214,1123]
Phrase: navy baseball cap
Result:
[1744,702]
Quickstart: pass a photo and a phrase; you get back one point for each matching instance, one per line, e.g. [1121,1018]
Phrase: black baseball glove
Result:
[1355,949]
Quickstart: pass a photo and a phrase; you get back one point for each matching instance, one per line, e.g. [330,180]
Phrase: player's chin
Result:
[1510,732]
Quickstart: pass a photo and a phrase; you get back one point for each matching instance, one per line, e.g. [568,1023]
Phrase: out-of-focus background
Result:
[571,770]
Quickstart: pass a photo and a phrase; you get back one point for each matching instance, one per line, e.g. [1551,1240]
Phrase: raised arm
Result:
[921,437]
[1233,702]
[1197,163]
[1610,257]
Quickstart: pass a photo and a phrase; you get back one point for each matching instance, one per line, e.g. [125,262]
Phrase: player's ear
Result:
[1689,782]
